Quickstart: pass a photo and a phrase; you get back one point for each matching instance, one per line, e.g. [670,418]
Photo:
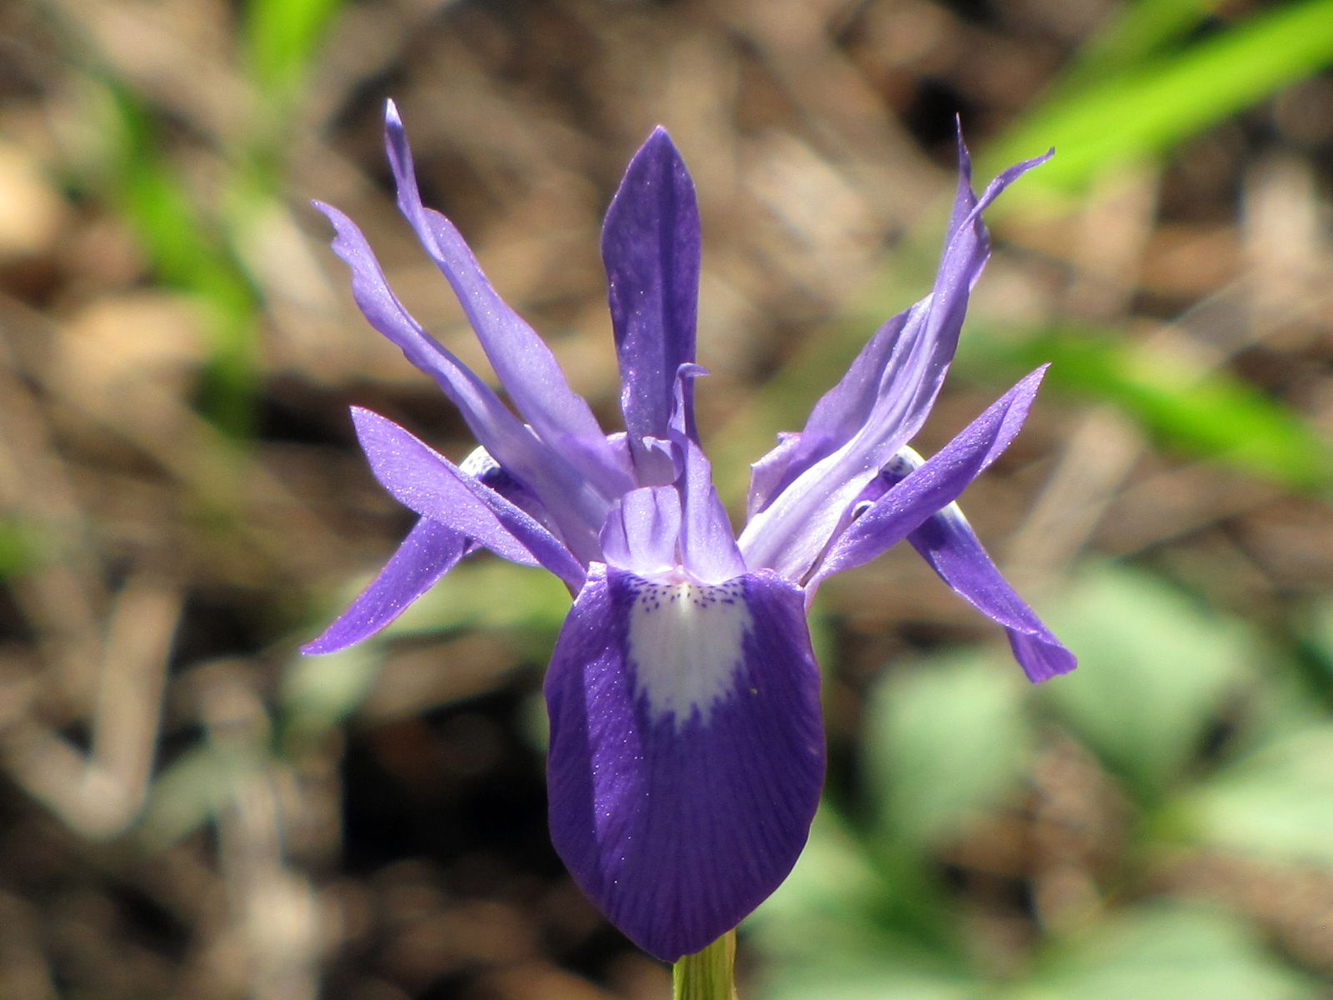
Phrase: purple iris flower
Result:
[687,747]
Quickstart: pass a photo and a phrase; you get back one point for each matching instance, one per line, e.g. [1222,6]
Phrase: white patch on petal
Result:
[685,644]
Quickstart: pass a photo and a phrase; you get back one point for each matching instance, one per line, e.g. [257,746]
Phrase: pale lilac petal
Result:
[878,406]
[524,364]
[428,483]
[429,551]
[641,531]
[707,544]
[846,408]
[650,246]
[687,751]
[947,542]
[932,487]
[575,505]
[769,472]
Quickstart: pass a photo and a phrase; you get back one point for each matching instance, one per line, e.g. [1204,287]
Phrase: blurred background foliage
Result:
[191,809]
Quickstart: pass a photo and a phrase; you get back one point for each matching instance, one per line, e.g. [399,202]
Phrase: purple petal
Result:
[642,530]
[707,544]
[932,487]
[575,505]
[948,543]
[767,474]
[429,551]
[524,364]
[880,404]
[428,483]
[687,751]
[650,245]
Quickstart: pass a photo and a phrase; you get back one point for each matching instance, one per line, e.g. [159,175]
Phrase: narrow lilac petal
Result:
[947,542]
[641,531]
[428,552]
[932,487]
[575,505]
[879,405]
[428,483]
[651,246]
[524,364]
[848,406]
[767,474]
[965,200]
[687,751]
[707,543]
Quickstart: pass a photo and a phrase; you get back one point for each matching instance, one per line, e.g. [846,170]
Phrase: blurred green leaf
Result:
[282,36]
[23,546]
[834,884]
[824,935]
[194,788]
[1166,952]
[185,252]
[1154,669]
[321,691]
[488,594]
[1277,802]
[1212,414]
[1134,32]
[944,741]
[1147,109]
[888,972]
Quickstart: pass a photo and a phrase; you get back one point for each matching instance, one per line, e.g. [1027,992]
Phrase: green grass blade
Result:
[1148,109]
[282,37]
[1213,415]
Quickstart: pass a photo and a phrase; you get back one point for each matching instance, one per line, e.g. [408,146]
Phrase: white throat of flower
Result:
[686,645]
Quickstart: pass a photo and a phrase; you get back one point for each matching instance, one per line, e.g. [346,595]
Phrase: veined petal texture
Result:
[651,247]
[687,750]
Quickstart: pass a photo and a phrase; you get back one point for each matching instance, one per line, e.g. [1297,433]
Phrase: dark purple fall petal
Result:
[687,750]
[522,361]
[428,552]
[932,487]
[650,246]
[425,481]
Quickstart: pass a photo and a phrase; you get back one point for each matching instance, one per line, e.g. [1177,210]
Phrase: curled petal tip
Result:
[392,118]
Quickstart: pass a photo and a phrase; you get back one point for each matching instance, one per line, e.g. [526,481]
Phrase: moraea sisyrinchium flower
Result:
[687,749]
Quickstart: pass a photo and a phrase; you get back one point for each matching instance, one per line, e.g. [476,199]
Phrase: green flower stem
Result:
[707,974]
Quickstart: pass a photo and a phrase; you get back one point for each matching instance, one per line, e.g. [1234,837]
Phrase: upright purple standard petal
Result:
[650,245]
[687,750]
